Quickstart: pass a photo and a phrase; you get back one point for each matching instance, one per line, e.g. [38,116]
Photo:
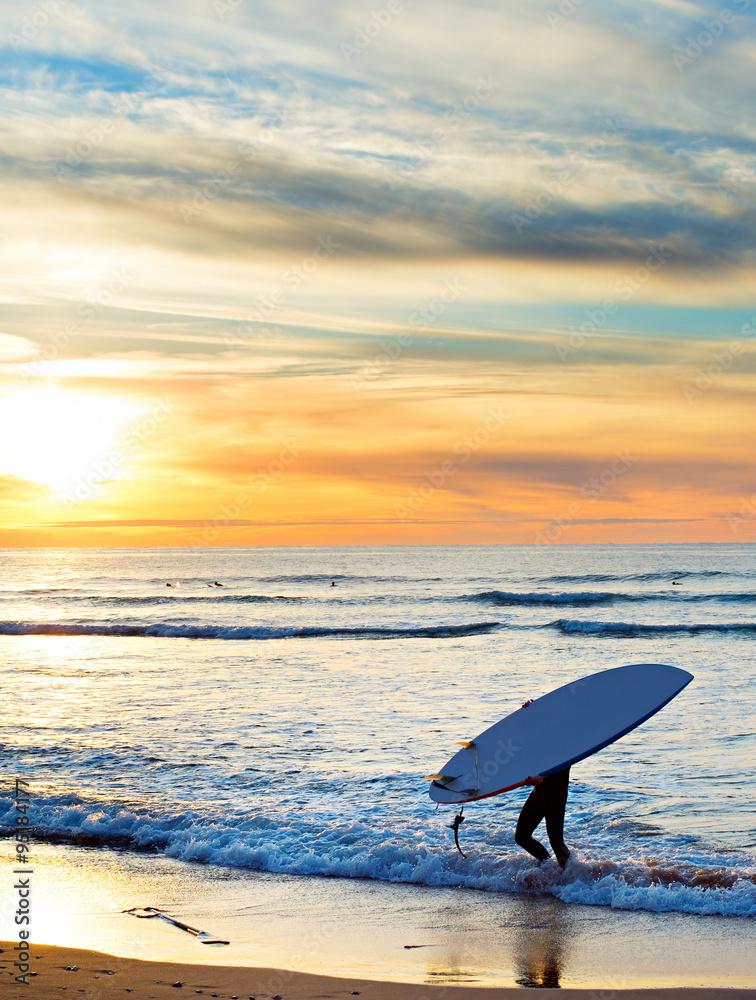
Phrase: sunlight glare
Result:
[59,437]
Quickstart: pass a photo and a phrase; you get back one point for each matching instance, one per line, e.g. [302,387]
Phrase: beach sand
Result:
[77,973]
[357,930]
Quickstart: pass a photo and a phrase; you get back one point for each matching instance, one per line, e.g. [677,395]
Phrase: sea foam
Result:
[296,845]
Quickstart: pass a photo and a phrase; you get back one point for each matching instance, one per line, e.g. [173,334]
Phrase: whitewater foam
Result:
[357,848]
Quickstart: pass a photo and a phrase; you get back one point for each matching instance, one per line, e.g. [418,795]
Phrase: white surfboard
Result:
[557,730]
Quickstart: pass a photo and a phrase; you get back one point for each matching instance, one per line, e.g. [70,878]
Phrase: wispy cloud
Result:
[533,157]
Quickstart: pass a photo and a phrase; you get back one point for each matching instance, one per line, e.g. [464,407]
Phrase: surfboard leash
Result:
[455,825]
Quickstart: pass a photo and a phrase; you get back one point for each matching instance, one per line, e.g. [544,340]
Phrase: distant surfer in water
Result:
[548,800]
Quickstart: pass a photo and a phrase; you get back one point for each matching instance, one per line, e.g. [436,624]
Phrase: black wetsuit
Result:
[546,801]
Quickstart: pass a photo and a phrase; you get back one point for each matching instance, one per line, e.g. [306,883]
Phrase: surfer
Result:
[548,800]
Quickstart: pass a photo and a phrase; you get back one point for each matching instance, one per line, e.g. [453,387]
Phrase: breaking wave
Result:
[294,844]
[165,630]
[581,599]
[501,598]
[635,629]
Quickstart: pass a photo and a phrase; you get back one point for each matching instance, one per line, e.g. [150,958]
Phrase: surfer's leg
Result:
[553,806]
[555,830]
[530,817]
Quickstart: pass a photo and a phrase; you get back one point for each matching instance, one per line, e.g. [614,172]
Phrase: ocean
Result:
[275,710]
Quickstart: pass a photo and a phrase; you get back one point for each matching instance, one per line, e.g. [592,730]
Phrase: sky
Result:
[409,272]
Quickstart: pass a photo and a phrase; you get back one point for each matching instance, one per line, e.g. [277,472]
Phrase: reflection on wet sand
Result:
[541,942]
[529,944]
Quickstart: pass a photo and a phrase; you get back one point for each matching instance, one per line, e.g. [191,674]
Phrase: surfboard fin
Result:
[467,744]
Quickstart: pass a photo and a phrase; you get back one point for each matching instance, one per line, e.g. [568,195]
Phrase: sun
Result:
[57,437]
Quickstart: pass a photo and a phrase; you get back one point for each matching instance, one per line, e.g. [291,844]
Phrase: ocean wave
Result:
[174,600]
[297,845]
[636,629]
[502,598]
[732,598]
[577,599]
[491,598]
[336,577]
[165,630]
[666,575]
[37,591]
[192,630]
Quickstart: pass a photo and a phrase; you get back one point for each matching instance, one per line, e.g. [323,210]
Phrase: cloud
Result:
[16,490]
[14,349]
[176,165]
[387,160]
[225,523]
[636,520]
[283,203]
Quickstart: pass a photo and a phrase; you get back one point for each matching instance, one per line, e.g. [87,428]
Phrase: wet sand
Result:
[354,929]
[90,974]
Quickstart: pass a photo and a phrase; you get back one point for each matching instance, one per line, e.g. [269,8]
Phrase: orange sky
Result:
[257,292]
